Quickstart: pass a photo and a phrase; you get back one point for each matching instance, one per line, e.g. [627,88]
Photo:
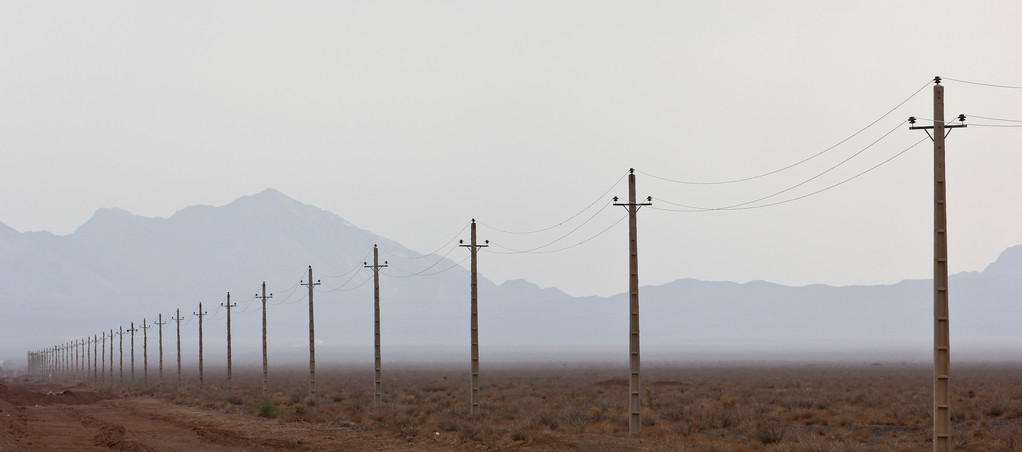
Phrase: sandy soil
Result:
[40,417]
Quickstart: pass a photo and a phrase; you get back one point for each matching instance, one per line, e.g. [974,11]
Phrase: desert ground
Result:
[686,407]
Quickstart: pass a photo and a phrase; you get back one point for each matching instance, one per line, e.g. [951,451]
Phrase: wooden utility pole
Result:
[265,378]
[177,318]
[145,351]
[634,401]
[102,371]
[159,324]
[132,331]
[228,306]
[88,358]
[376,310]
[111,356]
[200,314]
[474,250]
[120,350]
[312,339]
[941,330]
[95,358]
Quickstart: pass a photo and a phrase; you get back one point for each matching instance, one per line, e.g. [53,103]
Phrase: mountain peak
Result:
[1009,262]
[106,218]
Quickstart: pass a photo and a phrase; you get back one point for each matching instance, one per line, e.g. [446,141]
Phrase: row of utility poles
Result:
[78,358]
[69,356]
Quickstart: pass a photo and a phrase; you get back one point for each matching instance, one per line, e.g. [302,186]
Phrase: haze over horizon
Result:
[409,119]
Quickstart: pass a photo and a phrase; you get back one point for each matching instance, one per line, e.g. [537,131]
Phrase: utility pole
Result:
[132,331]
[474,250]
[160,323]
[265,379]
[95,358]
[102,371]
[200,314]
[111,356]
[145,351]
[120,349]
[177,318]
[229,306]
[634,402]
[941,330]
[312,339]
[88,358]
[376,309]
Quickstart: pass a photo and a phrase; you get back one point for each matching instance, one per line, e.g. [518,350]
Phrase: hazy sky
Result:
[410,118]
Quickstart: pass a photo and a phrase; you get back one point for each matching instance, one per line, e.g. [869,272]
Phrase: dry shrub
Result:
[770,431]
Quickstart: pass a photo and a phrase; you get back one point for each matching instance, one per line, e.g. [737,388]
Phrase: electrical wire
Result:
[982,84]
[341,289]
[797,197]
[993,119]
[559,238]
[560,249]
[429,254]
[602,196]
[355,269]
[422,273]
[758,176]
[846,160]
[345,282]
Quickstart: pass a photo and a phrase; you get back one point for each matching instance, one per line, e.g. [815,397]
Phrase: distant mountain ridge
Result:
[118,267]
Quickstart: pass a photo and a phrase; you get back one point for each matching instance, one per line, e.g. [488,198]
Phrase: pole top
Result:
[936,80]
[631,170]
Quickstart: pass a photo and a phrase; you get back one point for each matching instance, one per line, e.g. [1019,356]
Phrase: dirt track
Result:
[40,417]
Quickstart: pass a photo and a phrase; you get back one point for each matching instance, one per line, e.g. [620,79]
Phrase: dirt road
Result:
[40,417]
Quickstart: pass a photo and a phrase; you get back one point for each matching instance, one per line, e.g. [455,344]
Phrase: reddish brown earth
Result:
[41,417]
[695,407]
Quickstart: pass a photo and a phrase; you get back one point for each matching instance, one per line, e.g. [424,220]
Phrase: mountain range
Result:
[119,268]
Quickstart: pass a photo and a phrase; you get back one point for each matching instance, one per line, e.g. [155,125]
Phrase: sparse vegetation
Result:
[779,407]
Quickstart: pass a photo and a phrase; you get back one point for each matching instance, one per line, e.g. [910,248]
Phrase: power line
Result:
[513,251]
[846,160]
[602,196]
[758,176]
[701,209]
[422,273]
[431,253]
[563,236]
[992,85]
[994,119]
[353,269]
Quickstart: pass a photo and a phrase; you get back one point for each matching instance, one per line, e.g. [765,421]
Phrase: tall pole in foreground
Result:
[265,379]
[132,331]
[160,323]
[102,372]
[941,330]
[634,402]
[228,306]
[120,351]
[376,310]
[177,318]
[312,339]
[111,356]
[200,314]
[145,351]
[474,250]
